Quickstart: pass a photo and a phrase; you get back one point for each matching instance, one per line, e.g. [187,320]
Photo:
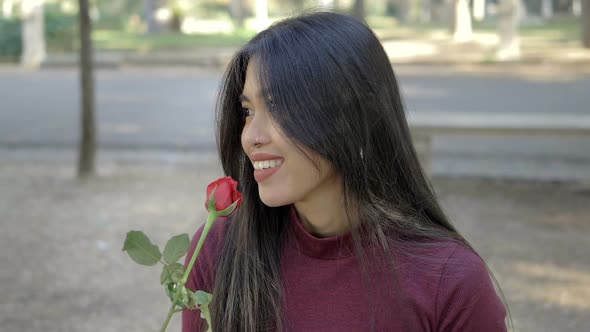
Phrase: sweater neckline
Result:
[328,248]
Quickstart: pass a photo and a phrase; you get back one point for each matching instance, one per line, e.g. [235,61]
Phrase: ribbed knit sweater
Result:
[442,287]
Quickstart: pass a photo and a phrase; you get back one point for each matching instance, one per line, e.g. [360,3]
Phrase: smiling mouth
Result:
[260,165]
[263,174]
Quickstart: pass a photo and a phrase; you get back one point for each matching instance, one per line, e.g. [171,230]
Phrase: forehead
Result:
[251,84]
[252,89]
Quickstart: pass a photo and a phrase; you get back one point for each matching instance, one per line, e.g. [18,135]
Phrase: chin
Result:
[274,201]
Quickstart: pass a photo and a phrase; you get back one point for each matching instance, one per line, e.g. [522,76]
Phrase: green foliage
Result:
[184,297]
[202,300]
[60,33]
[140,249]
[116,14]
[111,40]
[172,273]
[61,30]
[10,38]
[176,247]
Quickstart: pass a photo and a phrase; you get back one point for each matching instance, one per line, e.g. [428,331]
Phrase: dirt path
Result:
[63,268]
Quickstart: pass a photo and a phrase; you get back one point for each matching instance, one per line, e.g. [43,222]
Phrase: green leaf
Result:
[176,272]
[165,277]
[212,206]
[172,273]
[228,210]
[176,247]
[140,249]
[183,297]
[203,298]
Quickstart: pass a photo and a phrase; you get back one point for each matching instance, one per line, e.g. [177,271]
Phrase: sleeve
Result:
[466,299]
[202,275]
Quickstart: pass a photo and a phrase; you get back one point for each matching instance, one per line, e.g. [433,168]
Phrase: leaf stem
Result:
[170,313]
[211,217]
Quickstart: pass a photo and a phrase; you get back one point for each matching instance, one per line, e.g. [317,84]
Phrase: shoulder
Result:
[466,298]
[441,260]
[448,284]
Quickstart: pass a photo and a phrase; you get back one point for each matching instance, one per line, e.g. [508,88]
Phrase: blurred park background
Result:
[106,125]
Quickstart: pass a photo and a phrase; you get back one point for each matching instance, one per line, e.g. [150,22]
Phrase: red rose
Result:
[225,194]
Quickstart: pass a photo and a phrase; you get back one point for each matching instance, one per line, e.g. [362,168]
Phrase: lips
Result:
[258,156]
[263,174]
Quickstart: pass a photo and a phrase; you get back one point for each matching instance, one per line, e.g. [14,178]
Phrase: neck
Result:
[323,213]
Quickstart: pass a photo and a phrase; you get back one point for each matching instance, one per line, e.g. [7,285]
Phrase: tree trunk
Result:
[7,8]
[33,33]
[237,13]
[577,7]
[87,148]
[149,7]
[326,5]
[379,7]
[426,11]
[462,30]
[586,23]
[479,10]
[359,10]
[299,5]
[262,21]
[547,9]
[509,13]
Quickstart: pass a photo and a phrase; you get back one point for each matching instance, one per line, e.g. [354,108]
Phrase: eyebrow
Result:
[243,97]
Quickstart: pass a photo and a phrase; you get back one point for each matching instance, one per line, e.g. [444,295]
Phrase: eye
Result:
[246,112]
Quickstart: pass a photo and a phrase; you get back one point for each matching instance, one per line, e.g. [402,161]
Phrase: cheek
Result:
[302,176]
[243,139]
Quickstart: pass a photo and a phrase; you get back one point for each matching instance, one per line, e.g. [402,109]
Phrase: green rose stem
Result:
[211,218]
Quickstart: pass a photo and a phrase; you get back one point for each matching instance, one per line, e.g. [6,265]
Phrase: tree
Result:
[237,13]
[299,4]
[462,30]
[262,21]
[479,10]
[87,148]
[33,33]
[509,15]
[149,7]
[7,8]
[359,10]
[547,9]
[586,23]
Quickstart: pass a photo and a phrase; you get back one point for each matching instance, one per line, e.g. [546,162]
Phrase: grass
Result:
[557,32]
[110,40]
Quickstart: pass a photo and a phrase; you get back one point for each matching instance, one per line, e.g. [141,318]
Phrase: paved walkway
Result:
[63,268]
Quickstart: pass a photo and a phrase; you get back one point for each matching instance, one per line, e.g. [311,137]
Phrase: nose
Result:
[256,131]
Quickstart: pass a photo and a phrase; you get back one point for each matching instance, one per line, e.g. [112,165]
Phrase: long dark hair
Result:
[334,92]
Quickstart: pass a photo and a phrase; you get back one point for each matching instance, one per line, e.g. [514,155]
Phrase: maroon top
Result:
[321,277]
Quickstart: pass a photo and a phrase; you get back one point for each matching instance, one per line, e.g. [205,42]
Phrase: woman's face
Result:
[295,179]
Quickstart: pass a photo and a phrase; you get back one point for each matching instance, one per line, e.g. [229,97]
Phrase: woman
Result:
[339,229]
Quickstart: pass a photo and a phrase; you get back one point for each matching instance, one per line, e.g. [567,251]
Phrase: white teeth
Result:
[266,164]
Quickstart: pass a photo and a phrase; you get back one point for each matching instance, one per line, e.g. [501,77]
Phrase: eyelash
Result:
[245,112]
